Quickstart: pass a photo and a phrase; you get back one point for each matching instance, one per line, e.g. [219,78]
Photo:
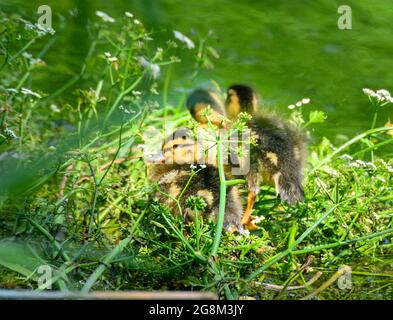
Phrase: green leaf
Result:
[317,116]
[20,257]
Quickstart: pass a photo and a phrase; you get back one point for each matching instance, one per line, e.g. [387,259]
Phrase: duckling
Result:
[176,180]
[199,100]
[278,156]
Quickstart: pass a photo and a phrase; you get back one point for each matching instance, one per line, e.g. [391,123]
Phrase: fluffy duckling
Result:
[199,100]
[278,156]
[176,180]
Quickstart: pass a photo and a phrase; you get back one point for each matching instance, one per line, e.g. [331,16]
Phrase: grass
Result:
[75,193]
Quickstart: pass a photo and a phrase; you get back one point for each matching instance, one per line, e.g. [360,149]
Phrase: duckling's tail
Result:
[289,187]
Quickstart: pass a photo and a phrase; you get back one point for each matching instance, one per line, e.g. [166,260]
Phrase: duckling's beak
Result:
[157,158]
[232,104]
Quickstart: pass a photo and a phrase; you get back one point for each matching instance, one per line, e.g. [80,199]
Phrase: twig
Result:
[106,295]
[63,182]
[276,287]
[328,283]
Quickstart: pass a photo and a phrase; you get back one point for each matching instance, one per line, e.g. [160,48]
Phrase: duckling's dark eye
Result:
[184,137]
[175,146]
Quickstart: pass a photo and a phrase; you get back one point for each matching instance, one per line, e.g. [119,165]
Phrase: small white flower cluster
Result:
[28,92]
[12,90]
[109,57]
[346,156]
[31,59]
[299,103]
[105,17]
[10,134]
[131,16]
[181,37]
[153,68]
[193,166]
[382,95]
[332,172]
[360,163]
[39,29]
[387,166]
[126,110]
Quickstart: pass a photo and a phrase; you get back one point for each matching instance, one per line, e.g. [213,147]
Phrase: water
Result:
[286,49]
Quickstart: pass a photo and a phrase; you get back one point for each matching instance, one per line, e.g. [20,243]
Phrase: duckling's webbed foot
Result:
[247,219]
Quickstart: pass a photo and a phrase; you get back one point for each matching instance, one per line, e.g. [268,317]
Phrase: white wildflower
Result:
[32,60]
[306,100]
[54,108]
[181,37]
[10,134]
[40,29]
[153,68]
[368,91]
[299,103]
[137,22]
[43,30]
[381,95]
[105,17]
[361,163]
[383,92]
[11,90]
[193,166]
[346,156]
[332,172]
[384,95]
[125,110]
[371,165]
[258,219]
[203,166]
[154,91]
[28,92]
[109,57]
[354,164]
[129,14]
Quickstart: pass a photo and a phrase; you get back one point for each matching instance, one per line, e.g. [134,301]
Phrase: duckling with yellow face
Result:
[176,180]
[278,156]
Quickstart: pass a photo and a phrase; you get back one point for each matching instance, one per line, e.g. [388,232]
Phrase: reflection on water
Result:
[286,49]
